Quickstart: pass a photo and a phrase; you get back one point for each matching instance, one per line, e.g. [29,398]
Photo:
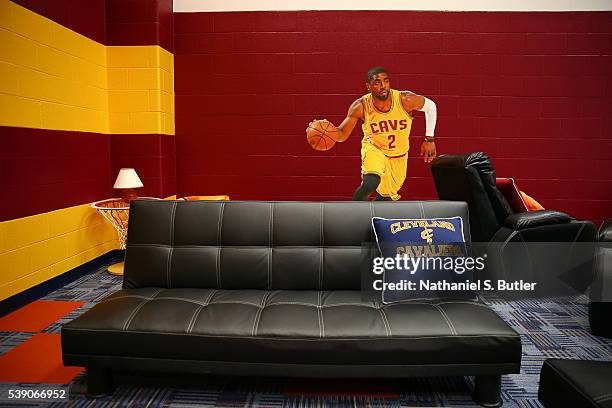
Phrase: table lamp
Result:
[127,180]
[116,210]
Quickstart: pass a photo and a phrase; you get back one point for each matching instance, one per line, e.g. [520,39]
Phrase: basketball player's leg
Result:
[369,183]
[395,174]
[372,170]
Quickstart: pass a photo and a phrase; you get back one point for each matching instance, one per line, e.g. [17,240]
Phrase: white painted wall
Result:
[439,5]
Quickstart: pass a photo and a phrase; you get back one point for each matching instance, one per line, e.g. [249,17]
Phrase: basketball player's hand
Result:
[312,122]
[329,127]
[428,151]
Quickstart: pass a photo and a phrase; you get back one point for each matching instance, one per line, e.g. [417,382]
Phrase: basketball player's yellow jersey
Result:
[388,131]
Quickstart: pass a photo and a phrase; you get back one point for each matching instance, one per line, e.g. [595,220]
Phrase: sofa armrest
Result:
[534,219]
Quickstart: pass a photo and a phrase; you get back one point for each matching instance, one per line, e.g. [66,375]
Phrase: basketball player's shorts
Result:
[392,170]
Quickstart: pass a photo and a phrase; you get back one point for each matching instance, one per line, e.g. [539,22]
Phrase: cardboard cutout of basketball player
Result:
[387,120]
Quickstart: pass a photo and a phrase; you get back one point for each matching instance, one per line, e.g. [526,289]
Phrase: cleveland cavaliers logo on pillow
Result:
[426,251]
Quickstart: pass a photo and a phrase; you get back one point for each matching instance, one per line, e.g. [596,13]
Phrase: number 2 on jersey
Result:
[391,141]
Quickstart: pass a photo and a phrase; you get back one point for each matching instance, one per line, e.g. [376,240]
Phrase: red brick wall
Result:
[44,170]
[153,158]
[533,90]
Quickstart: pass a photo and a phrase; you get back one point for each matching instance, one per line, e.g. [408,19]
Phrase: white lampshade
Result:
[127,178]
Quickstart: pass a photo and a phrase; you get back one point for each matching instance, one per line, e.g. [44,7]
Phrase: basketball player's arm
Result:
[354,114]
[412,101]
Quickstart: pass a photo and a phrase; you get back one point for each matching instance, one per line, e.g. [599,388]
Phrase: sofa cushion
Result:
[310,327]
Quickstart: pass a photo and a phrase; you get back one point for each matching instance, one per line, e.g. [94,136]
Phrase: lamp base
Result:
[116,269]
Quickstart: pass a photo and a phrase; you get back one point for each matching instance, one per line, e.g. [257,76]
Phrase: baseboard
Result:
[14,302]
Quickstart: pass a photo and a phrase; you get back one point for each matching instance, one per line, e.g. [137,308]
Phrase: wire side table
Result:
[117,212]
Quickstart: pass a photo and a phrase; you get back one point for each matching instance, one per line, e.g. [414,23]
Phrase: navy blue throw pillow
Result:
[429,258]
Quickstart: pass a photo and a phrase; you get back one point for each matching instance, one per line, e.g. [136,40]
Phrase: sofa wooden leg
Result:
[99,381]
[487,390]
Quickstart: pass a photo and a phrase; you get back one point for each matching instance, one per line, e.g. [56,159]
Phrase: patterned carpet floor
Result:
[548,328]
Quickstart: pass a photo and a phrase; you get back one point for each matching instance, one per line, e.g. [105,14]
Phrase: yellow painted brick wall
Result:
[54,78]
[140,89]
[37,248]
[50,77]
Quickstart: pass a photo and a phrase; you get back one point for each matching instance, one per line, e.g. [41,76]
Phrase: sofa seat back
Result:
[259,245]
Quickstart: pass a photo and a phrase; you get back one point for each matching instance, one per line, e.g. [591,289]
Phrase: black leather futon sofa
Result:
[273,289]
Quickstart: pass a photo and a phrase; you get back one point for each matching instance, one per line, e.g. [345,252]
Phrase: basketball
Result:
[321,135]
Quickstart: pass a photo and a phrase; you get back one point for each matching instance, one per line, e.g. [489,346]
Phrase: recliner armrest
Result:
[533,219]
[605,231]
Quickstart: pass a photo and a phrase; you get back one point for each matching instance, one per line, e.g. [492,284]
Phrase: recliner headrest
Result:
[479,160]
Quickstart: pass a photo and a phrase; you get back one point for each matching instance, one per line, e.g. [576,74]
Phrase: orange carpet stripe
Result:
[37,360]
[37,315]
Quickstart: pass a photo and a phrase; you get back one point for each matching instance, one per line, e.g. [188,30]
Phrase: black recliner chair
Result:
[548,247]
[600,302]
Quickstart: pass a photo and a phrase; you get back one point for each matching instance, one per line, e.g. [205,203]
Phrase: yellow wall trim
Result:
[37,248]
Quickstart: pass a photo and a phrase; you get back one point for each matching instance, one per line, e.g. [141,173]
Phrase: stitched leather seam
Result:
[269,260]
[603,397]
[218,267]
[235,302]
[386,322]
[271,244]
[219,245]
[197,312]
[409,302]
[210,296]
[246,246]
[291,303]
[294,303]
[320,314]
[321,306]
[328,338]
[348,304]
[136,309]
[169,263]
[131,316]
[207,303]
[297,303]
[168,266]
[258,314]
[193,319]
[322,231]
[123,297]
[448,322]
[180,299]
[321,252]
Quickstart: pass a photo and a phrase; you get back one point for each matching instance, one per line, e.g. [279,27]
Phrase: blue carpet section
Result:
[548,328]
